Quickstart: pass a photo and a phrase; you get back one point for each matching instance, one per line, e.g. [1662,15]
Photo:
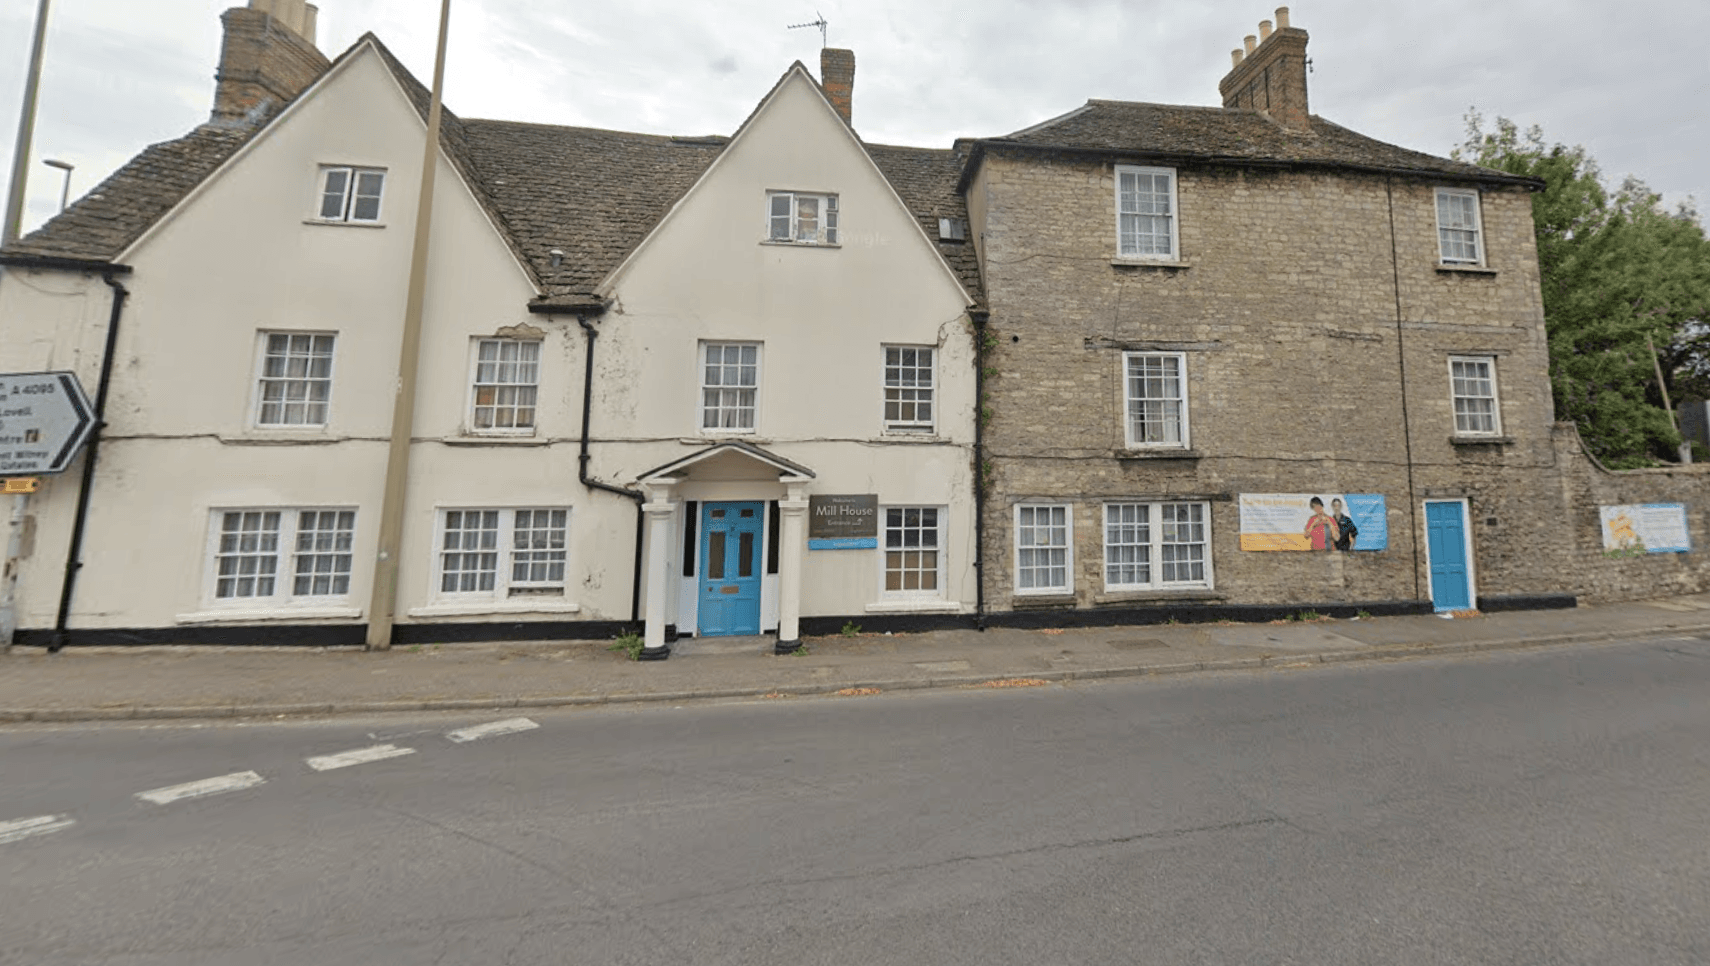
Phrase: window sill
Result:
[1448,269]
[1481,440]
[711,437]
[1158,453]
[793,244]
[914,607]
[476,439]
[510,607]
[1162,595]
[904,436]
[1025,601]
[270,614]
[312,436]
[1159,263]
[344,224]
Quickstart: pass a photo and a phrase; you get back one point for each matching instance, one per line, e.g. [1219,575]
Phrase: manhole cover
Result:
[1138,644]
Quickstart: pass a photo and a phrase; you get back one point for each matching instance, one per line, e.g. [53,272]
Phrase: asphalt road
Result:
[1542,807]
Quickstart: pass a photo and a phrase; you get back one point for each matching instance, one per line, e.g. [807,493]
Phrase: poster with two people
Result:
[1313,521]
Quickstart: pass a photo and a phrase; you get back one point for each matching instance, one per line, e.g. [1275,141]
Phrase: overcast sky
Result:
[1628,81]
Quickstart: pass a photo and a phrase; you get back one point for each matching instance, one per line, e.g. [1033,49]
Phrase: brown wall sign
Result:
[847,521]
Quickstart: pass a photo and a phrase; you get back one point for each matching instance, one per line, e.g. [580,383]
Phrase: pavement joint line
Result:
[356,756]
[236,781]
[492,729]
[1371,652]
[23,828]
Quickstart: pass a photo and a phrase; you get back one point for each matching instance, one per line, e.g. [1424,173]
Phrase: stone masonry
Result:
[1317,339]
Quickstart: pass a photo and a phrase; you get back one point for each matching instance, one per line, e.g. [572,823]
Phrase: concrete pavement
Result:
[211,682]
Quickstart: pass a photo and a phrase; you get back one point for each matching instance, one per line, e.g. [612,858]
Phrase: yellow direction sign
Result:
[20,484]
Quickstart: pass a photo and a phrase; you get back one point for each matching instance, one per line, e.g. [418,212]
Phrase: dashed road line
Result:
[40,825]
[207,786]
[356,756]
[509,726]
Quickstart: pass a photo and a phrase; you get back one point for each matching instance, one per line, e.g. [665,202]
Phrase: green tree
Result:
[1619,275]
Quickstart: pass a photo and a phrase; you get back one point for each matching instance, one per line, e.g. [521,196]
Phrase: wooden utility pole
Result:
[383,604]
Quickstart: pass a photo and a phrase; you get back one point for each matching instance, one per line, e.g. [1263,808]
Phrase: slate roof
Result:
[105,222]
[590,193]
[1169,132]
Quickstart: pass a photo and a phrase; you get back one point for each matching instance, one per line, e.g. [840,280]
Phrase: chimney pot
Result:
[268,56]
[1264,31]
[1235,56]
[1249,42]
[837,76]
[1271,77]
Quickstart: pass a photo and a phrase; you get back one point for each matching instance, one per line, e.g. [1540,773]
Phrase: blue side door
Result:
[1446,535]
[730,569]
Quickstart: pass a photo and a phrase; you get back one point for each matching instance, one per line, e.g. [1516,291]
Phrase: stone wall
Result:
[1317,323]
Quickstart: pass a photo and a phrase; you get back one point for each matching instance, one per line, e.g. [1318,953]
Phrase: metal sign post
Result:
[45,418]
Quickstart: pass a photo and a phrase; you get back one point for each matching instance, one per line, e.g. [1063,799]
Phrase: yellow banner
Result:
[1274,541]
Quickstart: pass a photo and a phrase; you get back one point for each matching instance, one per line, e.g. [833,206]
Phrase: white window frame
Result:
[1495,397]
[506,585]
[1155,544]
[1174,215]
[261,379]
[929,388]
[702,388]
[827,227]
[1476,230]
[941,514]
[1129,424]
[348,195]
[530,389]
[1068,548]
[287,556]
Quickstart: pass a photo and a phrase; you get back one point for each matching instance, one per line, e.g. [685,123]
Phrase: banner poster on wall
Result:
[1647,527]
[1314,521]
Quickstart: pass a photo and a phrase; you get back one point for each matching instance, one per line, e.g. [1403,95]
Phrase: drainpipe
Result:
[1401,369]
[582,459]
[980,317]
[73,561]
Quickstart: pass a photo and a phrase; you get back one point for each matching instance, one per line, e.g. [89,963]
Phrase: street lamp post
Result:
[65,189]
[13,222]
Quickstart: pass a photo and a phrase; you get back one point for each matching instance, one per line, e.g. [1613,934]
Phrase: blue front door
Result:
[730,569]
[1446,542]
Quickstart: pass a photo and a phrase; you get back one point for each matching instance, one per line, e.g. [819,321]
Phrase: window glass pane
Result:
[505,388]
[715,555]
[296,380]
[333,193]
[912,540]
[745,554]
[1155,400]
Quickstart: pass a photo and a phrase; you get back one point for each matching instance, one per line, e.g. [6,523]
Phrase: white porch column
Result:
[792,541]
[659,510]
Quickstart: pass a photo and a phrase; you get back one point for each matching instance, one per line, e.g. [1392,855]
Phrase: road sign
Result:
[44,418]
[20,484]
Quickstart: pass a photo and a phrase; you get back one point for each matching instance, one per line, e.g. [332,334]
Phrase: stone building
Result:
[1202,318]
[1135,363]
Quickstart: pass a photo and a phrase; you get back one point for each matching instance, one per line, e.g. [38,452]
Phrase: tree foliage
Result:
[1619,274]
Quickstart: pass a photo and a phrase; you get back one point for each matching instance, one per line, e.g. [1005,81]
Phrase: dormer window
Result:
[800,218]
[351,194]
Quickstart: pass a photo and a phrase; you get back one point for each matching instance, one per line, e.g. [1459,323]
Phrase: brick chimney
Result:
[1269,74]
[268,57]
[837,76]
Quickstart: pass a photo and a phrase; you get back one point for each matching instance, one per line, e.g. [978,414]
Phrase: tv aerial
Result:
[820,23]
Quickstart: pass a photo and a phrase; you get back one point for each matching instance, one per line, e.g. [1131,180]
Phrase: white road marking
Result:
[509,726]
[357,756]
[207,786]
[26,827]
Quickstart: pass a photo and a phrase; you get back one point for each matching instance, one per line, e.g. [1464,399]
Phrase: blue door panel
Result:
[730,569]
[1446,543]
